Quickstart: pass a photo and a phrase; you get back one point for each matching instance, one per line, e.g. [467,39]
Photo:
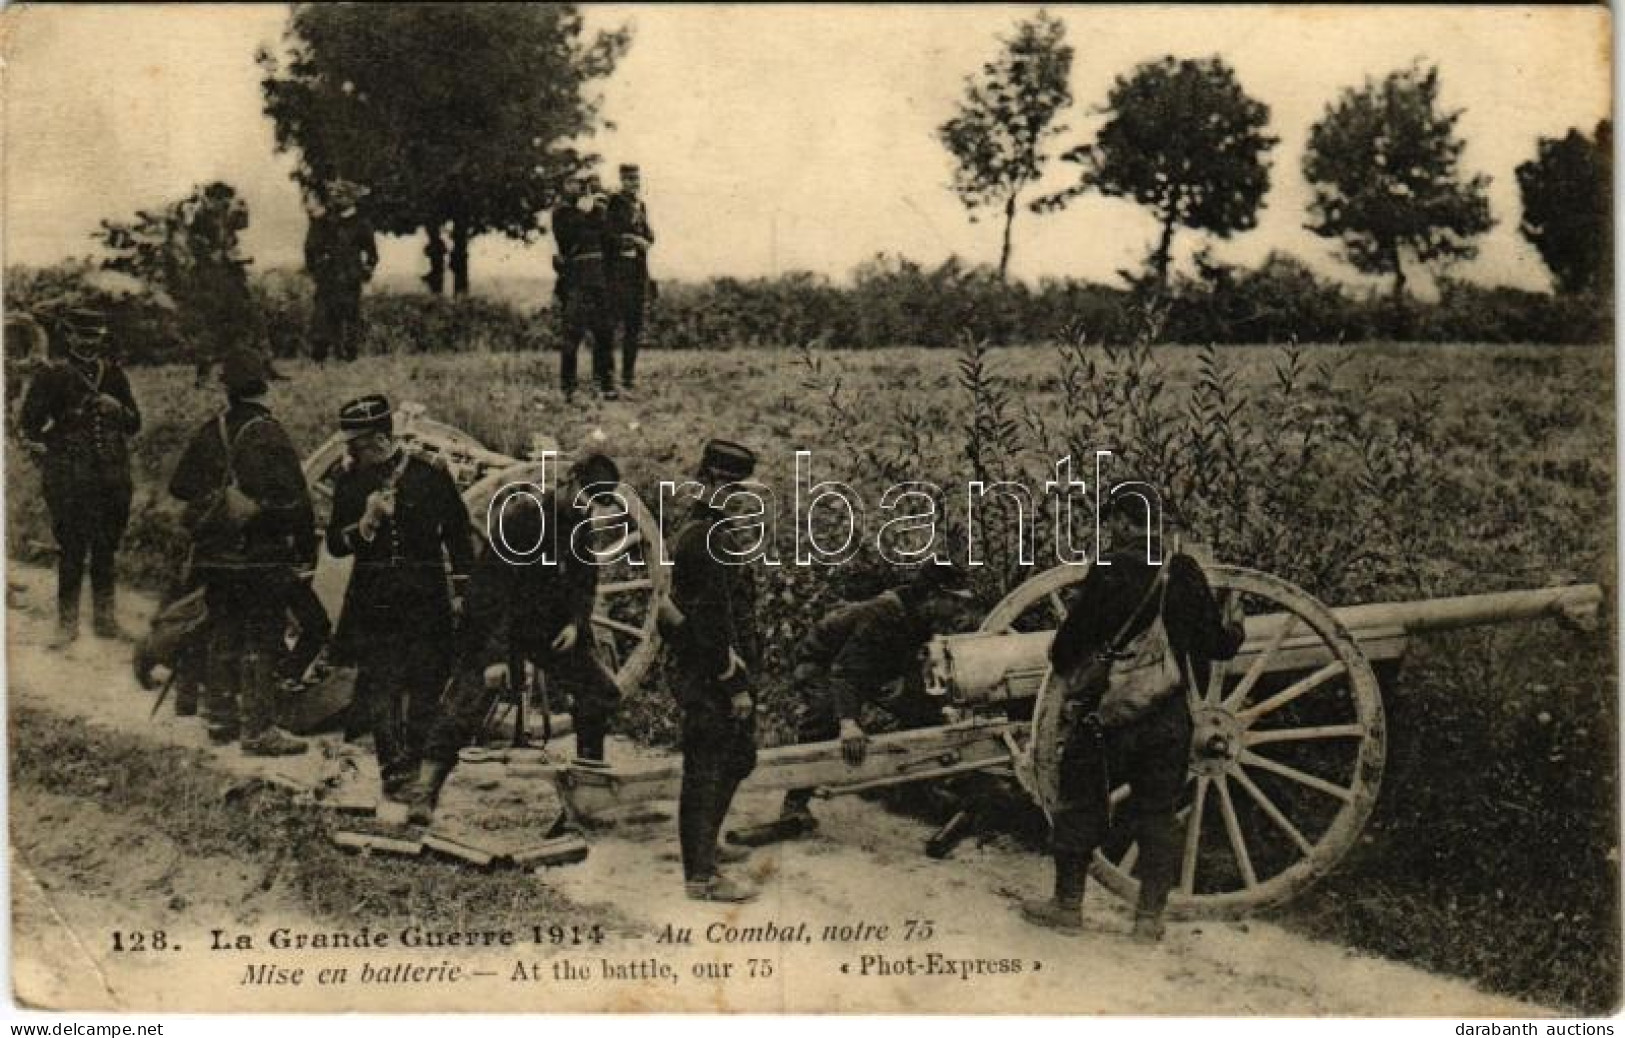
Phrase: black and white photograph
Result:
[1076,511]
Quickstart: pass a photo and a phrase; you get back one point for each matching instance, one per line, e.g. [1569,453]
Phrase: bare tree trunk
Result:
[1009,220]
[1162,258]
[459,258]
[435,279]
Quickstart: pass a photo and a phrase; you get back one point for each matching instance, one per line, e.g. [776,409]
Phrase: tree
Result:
[1004,119]
[1186,141]
[1384,163]
[458,118]
[1568,212]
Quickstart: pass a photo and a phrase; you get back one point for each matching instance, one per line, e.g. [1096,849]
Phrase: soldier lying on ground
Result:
[537,613]
[849,660]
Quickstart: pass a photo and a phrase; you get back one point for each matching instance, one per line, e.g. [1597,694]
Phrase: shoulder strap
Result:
[1157,590]
[229,443]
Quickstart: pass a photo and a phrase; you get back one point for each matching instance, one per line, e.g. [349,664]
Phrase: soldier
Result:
[402,518]
[630,238]
[709,622]
[1117,601]
[848,659]
[341,252]
[253,537]
[580,223]
[532,608]
[82,411]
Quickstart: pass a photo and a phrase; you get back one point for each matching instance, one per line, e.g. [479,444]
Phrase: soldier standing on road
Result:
[402,518]
[580,225]
[530,604]
[341,252]
[82,411]
[254,537]
[709,622]
[630,238]
[848,659]
[1118,600]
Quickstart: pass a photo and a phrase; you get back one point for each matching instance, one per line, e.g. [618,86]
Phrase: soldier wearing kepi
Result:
[709,623]
[402,518]
[530,602]
[580,223]
[254,536]
[630,239]
[82,411]
[1110,617]
[341,251]
[848,660]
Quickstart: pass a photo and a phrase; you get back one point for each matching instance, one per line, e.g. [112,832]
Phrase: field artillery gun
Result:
[1288,746]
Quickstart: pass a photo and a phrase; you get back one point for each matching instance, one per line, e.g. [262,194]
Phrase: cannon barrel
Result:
[991,667]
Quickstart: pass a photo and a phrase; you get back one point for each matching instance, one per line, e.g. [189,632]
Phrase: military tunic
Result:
[1152,753]
[629,237]
[397,623]
[583,293]
[340,254]
[248,571]
[514,613]
[718,603]
[84,414]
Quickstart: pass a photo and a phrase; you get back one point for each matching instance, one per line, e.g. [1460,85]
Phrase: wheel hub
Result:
[1215,741]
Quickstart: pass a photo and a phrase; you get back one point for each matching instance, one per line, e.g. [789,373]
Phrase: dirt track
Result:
[81,871]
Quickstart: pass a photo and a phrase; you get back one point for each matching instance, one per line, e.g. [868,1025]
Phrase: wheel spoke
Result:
[1260,736]
[1056,604]
[1232,826]
[1293,691]
[616,587]
[616,625]
[1286,771]
[1275,815]
[1130,857]
[1238,695]
[1193,838]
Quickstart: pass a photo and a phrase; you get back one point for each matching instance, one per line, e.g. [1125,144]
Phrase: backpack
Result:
[1142,673]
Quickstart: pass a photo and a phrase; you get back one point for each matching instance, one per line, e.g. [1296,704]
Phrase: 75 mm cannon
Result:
[1287,752]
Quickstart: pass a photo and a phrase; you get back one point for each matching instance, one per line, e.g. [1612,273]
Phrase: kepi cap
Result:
[365,414]
[944,578]
[244,372]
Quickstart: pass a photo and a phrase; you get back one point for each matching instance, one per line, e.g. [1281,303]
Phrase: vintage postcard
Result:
[811,509]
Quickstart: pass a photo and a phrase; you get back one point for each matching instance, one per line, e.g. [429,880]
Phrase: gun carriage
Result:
[1289,736]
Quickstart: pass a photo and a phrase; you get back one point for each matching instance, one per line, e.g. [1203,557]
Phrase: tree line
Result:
[1185,140]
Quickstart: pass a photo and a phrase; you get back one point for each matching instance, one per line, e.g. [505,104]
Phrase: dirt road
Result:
[82,871]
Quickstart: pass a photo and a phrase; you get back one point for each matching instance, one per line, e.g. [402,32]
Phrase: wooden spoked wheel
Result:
[1286,753]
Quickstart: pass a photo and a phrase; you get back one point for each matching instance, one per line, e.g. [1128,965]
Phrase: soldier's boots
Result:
[104,616]
[1064,909]
[186,699]
[67,623]
[422,795]
[1148,928]
[273,742]
[721,889]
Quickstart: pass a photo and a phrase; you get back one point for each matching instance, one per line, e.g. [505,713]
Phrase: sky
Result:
[787,137]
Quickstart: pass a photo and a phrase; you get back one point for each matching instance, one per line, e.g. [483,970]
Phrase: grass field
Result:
[1363,473]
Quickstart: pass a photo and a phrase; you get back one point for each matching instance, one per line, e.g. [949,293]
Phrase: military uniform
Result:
[583,293]
[1152,753]
[514,613]
[717,602]
[340,254]
[629,239]
[84,414]
[248,567]
[398,622]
